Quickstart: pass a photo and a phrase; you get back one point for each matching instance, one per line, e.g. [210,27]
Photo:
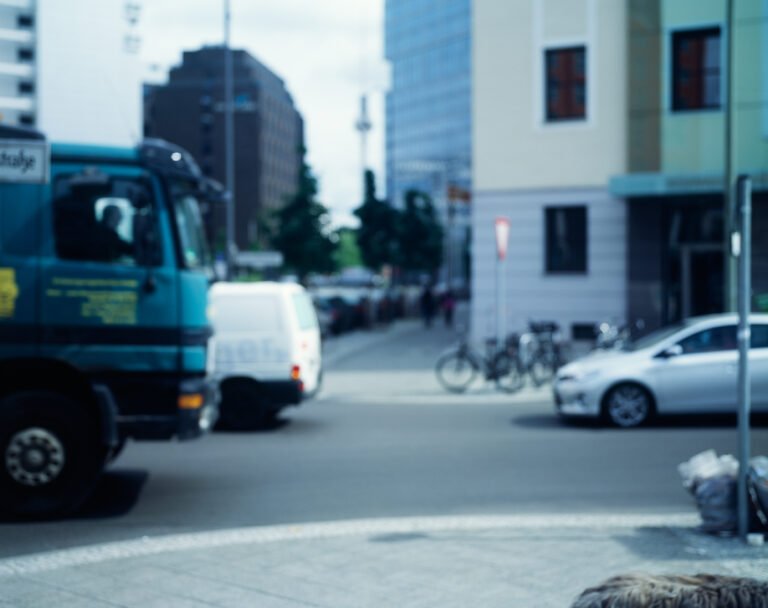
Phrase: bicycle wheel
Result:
[455,372]
[541,369]
[507,373]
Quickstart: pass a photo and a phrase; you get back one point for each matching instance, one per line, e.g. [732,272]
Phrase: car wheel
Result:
[50,454]
[628,405]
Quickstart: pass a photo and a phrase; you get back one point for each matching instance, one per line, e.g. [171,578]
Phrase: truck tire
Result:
[50,454]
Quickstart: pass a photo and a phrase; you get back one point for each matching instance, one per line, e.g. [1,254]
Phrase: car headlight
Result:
[577,376]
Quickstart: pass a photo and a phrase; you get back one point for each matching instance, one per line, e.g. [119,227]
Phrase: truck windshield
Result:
[186,211]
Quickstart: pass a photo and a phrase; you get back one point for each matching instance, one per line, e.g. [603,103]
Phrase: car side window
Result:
[99,219]
[710,340]
[759,336]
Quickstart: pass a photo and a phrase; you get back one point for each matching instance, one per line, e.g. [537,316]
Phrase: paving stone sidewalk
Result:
[465,561]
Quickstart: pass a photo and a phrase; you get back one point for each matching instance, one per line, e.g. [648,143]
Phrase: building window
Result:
[27,120]
[26,87]
[25,54]
[566,239]
[25,21]
[566,83]
[696,69]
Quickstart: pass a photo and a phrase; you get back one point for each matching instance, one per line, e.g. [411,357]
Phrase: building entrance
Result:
[702,279]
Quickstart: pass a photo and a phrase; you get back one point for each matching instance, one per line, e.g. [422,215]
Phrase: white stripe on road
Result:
[43,562]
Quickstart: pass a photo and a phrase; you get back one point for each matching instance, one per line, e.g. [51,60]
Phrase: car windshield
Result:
[189,222]
[654,338]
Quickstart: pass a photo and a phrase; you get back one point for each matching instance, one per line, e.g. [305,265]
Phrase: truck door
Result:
[109,302]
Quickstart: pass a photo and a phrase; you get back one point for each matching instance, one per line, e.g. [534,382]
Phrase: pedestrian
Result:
[427,302]
[448,305]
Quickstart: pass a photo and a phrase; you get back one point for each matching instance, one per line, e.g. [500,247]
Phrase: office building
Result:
[428,45]
[72,69]
[189,111]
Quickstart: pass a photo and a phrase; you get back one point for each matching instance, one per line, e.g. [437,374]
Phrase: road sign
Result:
[502,236]
[24,161]
[259,259]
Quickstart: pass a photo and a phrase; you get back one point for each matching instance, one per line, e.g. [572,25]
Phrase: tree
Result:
[348,253]
[420,235]
[302,233]
[377,235]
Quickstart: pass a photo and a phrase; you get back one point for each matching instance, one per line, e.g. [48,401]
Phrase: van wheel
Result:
[50,454]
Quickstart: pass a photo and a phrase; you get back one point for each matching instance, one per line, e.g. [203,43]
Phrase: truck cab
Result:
[104,336]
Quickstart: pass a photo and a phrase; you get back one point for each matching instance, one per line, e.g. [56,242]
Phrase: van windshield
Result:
[247,313]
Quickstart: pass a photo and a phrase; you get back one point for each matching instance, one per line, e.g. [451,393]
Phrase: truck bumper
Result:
[193,414]
[198,420]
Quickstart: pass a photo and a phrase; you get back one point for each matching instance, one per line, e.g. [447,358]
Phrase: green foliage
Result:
[420,235]
[377,235]
[348,254]
[302,230]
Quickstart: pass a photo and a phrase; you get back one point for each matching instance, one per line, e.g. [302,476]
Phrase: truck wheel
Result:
[50,454]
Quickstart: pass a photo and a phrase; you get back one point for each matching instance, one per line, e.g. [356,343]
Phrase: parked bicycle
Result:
[458,368]
[538,352]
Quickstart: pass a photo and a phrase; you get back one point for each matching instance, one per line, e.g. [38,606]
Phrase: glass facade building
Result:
[428,113]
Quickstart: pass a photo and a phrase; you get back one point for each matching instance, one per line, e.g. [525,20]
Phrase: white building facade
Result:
[549,116]
[72,69]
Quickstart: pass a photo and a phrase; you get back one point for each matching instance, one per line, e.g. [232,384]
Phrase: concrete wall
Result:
[513,147]
[523,164]
[89,82]
[598,295]
[693,142]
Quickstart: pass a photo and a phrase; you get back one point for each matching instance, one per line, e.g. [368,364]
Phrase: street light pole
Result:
[229,144]
[744,202]
[729,205]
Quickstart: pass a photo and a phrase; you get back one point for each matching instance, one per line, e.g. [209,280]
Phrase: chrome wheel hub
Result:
[628,406]
[34,457]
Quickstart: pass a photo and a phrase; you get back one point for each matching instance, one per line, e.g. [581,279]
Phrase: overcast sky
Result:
[328,52]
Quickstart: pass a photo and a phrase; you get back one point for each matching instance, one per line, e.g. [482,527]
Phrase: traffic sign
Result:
[502,236]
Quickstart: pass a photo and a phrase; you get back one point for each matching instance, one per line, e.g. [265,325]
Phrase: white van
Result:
[268,351]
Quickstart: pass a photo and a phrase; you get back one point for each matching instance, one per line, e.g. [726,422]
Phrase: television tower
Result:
[363,125]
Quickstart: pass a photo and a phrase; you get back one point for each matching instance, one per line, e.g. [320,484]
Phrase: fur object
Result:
[675,591]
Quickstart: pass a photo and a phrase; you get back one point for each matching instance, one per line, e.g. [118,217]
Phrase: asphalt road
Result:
[383,440]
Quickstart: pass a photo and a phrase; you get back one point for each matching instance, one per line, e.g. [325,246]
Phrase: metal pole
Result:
[729,209]
[745,304]
[229,144]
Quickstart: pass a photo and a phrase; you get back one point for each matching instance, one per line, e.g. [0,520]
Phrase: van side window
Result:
[99,219]
[305,312]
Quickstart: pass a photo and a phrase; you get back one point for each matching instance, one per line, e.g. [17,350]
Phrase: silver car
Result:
[689,368]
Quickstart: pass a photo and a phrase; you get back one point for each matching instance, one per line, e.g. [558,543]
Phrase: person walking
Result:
[448,305]
[427,302]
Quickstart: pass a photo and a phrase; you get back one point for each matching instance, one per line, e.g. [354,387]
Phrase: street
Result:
[384,440]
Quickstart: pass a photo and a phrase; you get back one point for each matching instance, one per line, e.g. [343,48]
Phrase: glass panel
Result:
[100,219]
[194,249]
[759,336]
[711,340]
[305,311]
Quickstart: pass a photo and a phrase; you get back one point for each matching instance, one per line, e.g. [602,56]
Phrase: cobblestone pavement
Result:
[490,561]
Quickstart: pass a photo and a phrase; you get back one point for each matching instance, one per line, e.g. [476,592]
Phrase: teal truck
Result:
[104,274]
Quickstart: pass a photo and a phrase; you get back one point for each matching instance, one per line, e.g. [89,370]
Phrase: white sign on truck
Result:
[24,161]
